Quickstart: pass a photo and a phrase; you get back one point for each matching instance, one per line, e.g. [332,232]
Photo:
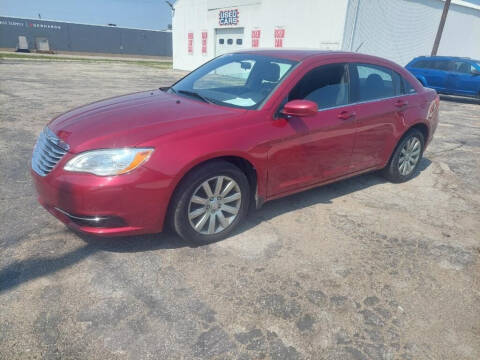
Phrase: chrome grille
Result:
[47,152]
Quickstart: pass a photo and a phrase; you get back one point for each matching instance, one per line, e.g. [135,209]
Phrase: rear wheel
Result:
[210,202]
[406,157]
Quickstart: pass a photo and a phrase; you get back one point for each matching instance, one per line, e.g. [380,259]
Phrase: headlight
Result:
[109,162]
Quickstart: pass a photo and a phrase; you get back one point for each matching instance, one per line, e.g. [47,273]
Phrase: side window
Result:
[398,88]
[407,87]
[376,82]
[451,66]
[326,85]
[421,64]
[430,64]
[463,67]
[441,65]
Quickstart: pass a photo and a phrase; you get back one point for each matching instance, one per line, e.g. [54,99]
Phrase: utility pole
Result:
[440,27]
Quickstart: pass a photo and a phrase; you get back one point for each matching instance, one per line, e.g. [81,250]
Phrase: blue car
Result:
[448,75]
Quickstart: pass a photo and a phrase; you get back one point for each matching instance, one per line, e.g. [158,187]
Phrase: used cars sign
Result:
[228,17]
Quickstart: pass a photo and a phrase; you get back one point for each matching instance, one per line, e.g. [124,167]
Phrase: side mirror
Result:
[300,108]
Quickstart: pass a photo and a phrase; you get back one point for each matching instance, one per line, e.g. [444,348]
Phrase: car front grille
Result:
[47,152]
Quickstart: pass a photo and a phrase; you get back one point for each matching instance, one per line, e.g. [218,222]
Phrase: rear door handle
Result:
[401,103]
[346,115]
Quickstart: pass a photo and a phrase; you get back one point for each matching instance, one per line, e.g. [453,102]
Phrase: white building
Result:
[395,29]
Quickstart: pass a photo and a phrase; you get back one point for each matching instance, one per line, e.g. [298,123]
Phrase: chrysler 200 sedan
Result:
[240,130]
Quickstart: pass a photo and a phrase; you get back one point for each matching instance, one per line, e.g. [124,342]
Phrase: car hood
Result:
[131,120]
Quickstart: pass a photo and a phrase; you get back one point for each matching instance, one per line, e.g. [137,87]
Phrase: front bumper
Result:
[134,203]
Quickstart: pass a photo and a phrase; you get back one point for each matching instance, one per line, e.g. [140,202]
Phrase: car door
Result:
[462,80]
[313,149]
[375,89]
[436,74]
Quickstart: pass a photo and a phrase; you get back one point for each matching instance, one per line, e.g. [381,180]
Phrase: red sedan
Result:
[242,129]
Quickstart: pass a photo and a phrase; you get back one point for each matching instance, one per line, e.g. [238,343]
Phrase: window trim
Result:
[349,77]
[352,64]
[366,102]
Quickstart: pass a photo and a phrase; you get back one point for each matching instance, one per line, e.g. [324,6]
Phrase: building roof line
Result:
[465,4]
[70,22]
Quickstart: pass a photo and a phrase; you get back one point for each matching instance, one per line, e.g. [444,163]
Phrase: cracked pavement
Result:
[360,269]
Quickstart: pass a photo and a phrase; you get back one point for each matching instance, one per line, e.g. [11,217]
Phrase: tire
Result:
[395,171]
[188,212]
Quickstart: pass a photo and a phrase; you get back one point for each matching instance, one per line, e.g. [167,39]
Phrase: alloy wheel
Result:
[214,205]
[409,156]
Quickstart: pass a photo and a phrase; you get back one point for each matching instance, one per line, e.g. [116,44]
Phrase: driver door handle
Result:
[346,115]
[401,103]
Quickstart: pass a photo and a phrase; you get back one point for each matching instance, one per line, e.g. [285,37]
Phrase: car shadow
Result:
[23,271]
[26,270]
[458,99]
[319,195]
[136,243]
[322,194]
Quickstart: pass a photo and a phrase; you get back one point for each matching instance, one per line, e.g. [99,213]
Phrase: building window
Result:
[221,41]
[230,41]
[239,41]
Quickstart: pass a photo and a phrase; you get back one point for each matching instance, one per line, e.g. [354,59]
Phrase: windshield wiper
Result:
[194,94]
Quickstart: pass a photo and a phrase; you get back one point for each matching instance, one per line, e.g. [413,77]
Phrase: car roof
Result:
[302,54]
[443,58]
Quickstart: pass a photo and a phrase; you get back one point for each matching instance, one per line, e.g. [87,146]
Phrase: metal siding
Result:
[86,38]
[400,30]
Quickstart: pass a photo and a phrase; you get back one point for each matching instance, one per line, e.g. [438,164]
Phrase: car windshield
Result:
[235,80]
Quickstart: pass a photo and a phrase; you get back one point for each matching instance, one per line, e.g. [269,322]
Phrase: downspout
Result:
[354,27]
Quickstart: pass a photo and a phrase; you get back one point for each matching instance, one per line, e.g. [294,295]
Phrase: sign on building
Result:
[204,42]
[256,38]
[190,43]
[228,17]
[279,36]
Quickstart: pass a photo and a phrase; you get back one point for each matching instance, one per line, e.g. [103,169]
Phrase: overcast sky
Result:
[143,14]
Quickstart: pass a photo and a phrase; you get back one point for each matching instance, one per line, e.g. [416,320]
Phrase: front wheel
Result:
[406,158]
[210,202]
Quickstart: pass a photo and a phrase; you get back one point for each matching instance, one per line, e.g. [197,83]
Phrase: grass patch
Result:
[149,63]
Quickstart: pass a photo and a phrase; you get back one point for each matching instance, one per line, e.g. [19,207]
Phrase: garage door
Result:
[228,40]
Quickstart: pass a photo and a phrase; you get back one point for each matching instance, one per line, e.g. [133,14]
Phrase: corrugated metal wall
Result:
[86,38]
[400,30]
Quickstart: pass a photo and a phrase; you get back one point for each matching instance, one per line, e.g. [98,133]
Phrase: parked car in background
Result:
[448,75]
[240,130]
